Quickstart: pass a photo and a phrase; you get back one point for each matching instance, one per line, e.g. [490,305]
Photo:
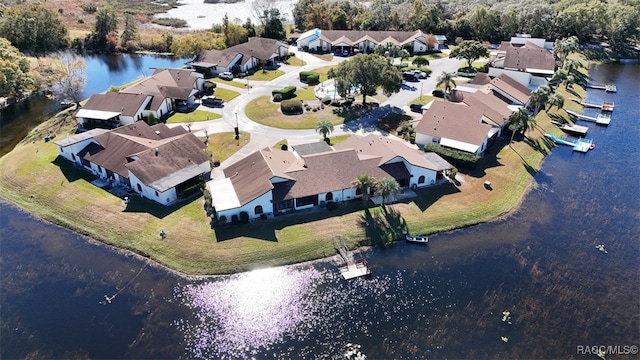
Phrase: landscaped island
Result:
[31,178]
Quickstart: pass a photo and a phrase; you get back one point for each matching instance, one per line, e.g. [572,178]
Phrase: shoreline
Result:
[196,251]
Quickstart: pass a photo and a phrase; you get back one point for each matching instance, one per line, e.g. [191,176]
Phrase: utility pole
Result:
[237,131]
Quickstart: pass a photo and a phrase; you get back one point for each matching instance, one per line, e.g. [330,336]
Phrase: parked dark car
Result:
[212,101]
[438,93]
[409,76]
[415,107]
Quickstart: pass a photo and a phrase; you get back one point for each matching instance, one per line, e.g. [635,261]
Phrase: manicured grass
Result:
[194,116]
[263,111]
[295,61]
[223,145]
[266,75]
[337,139]
[226,94]
[279,144]
[63,194]
[239,83]
[425,99]
[325,57]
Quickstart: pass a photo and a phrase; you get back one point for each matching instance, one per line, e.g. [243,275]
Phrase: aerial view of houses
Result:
[213,179]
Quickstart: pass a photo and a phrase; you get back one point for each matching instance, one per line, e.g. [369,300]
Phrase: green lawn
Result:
[194,116]
[263,111]
[266,75]
[226,94]
[223,145]
[239,83]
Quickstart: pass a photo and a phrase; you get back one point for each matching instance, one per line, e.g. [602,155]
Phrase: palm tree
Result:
[555,99]
[387,188]
[520,120]
[364,182]
[446,79]
[539,98]
[324,127]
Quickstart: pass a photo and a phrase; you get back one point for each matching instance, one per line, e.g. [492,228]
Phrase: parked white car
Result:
[226,75]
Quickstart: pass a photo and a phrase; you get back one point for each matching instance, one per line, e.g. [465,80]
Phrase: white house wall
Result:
[265,200]
[522,77]
[417,171]
[165,198]
[74,149]
[424,139]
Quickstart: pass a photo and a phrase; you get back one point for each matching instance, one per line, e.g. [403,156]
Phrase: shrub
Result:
[455,157]
[244,217]
[171,22]
[222,219]
[291,106]
[332,205]
[286,93]
[90,8]
[277,97]
[263,216]
[420,61]
[310,77]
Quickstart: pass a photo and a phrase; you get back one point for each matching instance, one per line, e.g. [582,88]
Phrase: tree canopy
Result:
[33,29]
[367,73]
[14,70]
[470,51]
[273,28]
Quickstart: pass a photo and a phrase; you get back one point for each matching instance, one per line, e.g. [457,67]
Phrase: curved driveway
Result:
[264,136]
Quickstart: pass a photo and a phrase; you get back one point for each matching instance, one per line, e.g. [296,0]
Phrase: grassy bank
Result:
[32,177]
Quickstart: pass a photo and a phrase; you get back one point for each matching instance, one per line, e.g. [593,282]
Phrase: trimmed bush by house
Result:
[457,158]
[291,107]
[288,92]
[309,77]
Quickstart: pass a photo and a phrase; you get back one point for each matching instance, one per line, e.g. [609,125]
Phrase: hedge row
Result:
[288,92]
[457,158]
[310,77]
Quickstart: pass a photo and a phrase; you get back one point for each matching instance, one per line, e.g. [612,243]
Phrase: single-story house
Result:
[156,95]
[510,90]
[527,61]
[456,126]
[249,55]
[156,162]
[271,181]
[349,41]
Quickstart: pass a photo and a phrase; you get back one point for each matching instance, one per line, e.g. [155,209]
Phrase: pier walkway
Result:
[601,119]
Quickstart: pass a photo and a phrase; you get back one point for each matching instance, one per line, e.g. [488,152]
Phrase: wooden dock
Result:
[351,268]
[601,119]
[608,87]
[572,129]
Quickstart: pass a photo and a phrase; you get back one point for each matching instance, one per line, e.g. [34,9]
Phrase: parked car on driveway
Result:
[420,74]
[409,76]
[226,75]
[416,107]
[438,93]
[211,101]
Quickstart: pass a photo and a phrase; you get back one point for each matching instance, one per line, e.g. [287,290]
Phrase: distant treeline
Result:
[615,22]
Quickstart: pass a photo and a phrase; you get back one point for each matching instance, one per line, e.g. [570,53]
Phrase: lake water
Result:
[445,300]
[102,72]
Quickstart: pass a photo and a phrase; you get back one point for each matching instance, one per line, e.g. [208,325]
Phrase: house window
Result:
[258,210]
[139,187]
[329,197]
[421,179]
[73,157]
[358,191]
[156,193]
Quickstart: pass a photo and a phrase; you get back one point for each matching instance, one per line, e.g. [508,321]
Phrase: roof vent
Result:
[156,151]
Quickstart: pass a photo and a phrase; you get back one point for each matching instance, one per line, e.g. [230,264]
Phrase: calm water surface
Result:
[441,301]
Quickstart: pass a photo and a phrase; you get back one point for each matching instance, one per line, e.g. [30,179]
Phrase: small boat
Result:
[417,239]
